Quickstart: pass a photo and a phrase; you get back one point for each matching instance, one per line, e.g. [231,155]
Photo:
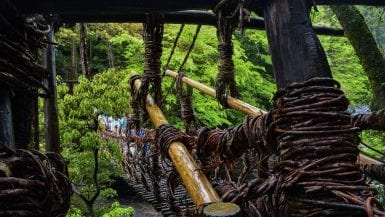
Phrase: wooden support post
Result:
[296,51]
[51,119]
[196,183]
[297,56]
[6,125]
[248,109]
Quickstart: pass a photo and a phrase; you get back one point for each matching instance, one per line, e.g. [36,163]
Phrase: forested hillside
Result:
[114,50]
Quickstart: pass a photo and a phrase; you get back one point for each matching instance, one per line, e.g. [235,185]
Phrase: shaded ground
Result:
[127,197]
[141,207]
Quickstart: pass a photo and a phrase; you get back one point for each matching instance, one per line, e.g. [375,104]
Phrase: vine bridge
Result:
[301,158]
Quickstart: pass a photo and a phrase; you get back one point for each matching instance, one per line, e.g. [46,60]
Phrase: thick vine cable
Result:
[165,67]
[191,47]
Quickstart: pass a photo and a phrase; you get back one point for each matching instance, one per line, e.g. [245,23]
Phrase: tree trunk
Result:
[366,49]
[110,55]
[51,121]
[74,69]
[83,49]
[6,124]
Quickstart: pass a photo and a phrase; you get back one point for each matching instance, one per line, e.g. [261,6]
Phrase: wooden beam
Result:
[186,17]
[248,109]
[51,120]
[6,124]
[196,183]
[296,52]
[99,7]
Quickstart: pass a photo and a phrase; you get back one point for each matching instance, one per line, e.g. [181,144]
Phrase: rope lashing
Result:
[152,77]
[373,121]
[225,82]
[191,123]
[167,134]
[33,184]
[376,172]
[317,149]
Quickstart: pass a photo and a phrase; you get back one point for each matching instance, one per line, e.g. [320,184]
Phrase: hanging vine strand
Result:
[225,82]
[191,123]
[151,78]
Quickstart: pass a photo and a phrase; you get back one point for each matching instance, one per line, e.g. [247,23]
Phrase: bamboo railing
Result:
[246,108]
[197,185]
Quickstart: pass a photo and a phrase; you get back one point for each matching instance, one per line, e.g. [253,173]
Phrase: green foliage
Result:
[105,94]
[74,212]
[117,211]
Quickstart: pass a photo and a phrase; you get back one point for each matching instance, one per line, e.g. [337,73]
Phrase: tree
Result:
[93,161]
[366,49]
[84,50]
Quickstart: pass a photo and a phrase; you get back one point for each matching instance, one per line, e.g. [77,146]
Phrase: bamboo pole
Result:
[248,109]
[233,102]
[196,183]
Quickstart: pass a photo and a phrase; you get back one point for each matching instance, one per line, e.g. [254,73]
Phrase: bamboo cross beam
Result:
[196,183]
[246,108]
[234,103]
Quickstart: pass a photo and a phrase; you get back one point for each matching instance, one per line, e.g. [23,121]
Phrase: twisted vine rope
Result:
[152,77]
[225,82]
[317,149]
[33,184]
[307,152]
[191,123]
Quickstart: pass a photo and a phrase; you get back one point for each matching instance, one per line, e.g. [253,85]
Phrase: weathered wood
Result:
[6,124]
[222,209]
[127,6]
[186,17]
[197,185]
[296,52]
[248,109]
[51,119]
